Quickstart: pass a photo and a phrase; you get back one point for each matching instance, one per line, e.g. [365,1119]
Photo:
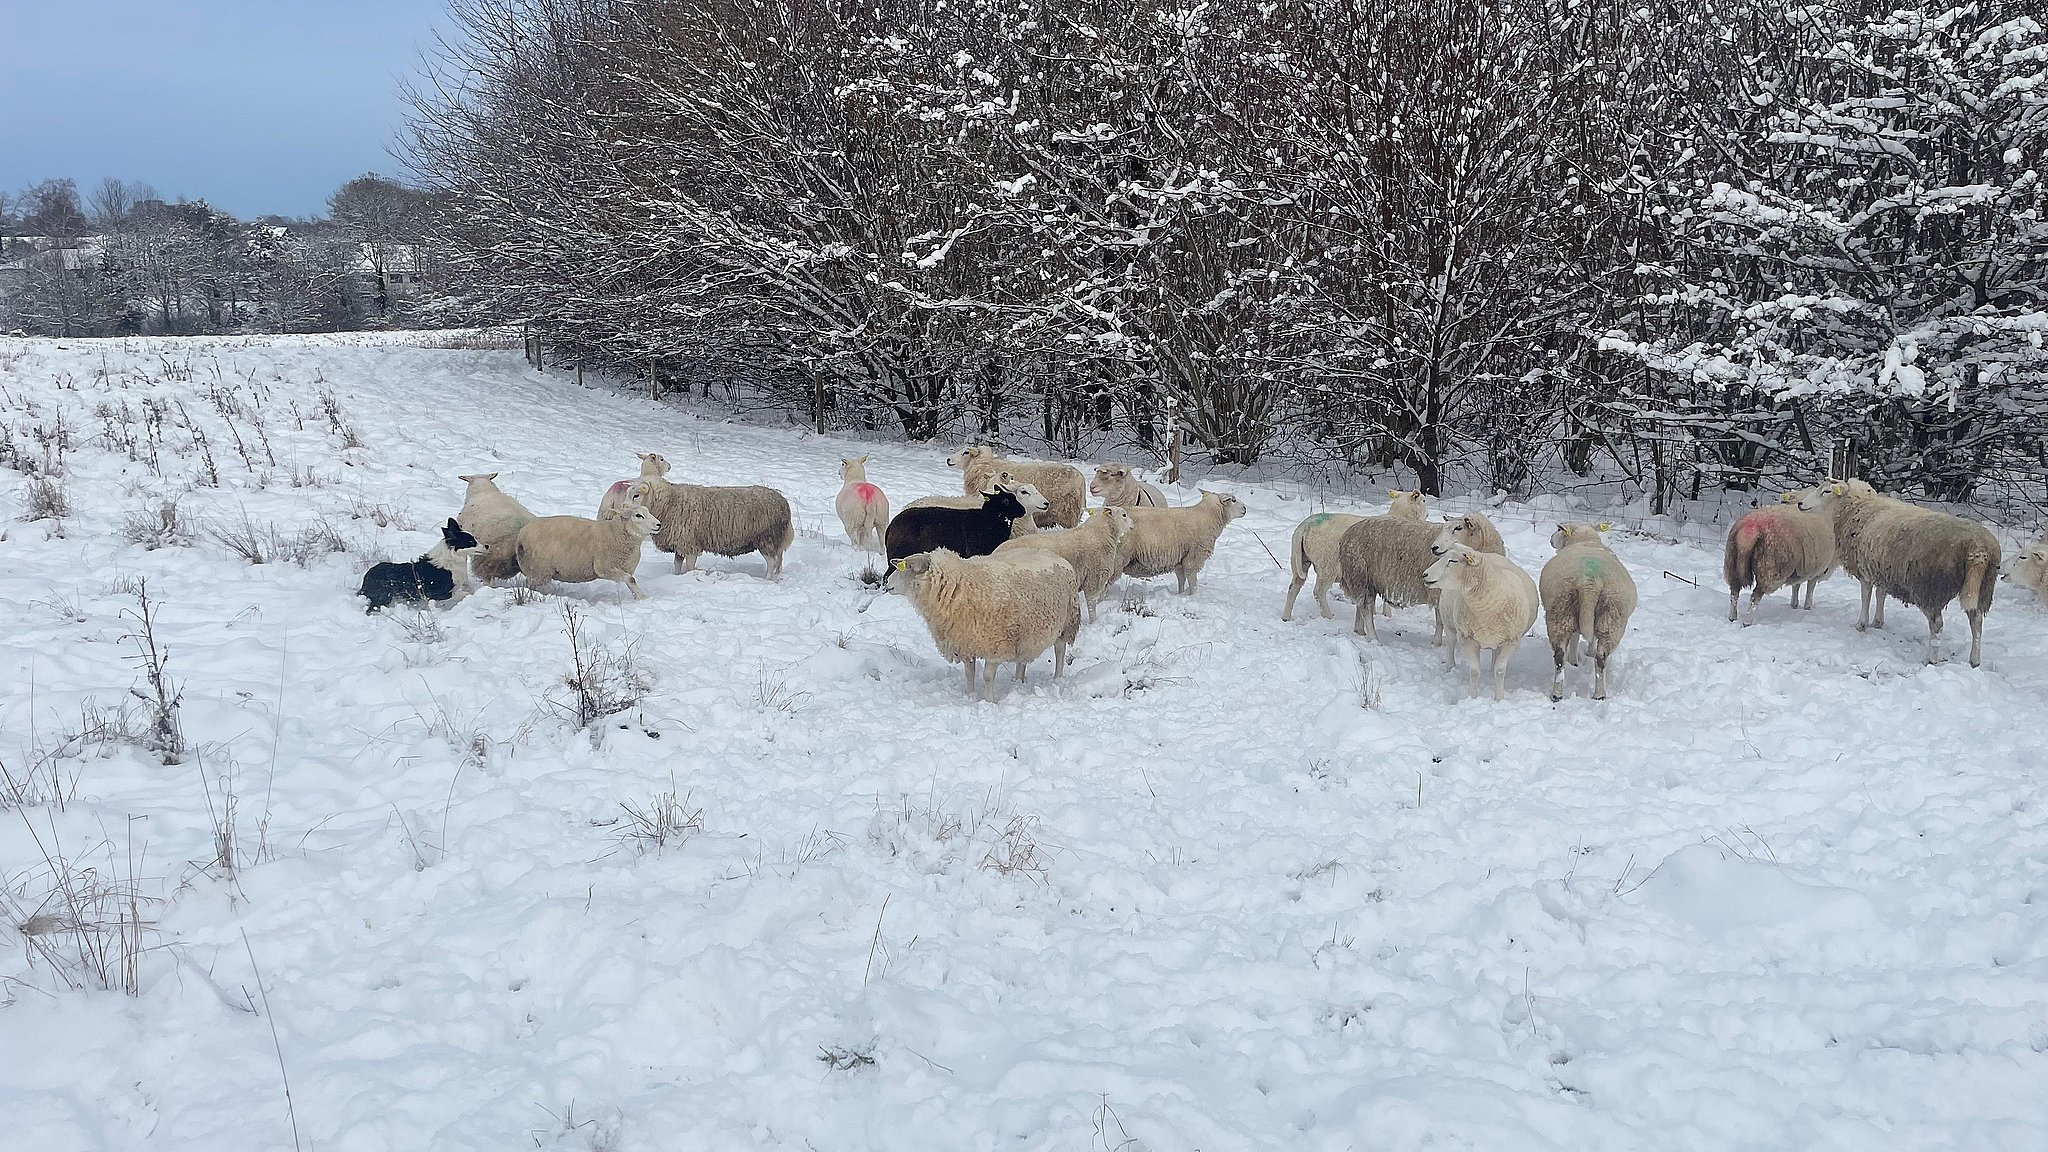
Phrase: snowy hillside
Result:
[1233,883]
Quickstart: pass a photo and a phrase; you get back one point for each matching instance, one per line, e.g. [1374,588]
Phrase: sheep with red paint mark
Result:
[624,493]
[863,508]
[1778,545]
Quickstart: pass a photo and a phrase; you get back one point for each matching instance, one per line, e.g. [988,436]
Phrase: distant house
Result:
[75,254]
[391,270]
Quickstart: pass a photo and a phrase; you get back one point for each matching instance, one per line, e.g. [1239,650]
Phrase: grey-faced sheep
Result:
[653,466]
[1178,540]
[1032,499]
[1095,549]
[1922,557]
[2029,569]
[1772,547]
[575,550]
[1587,595]
[1496,607]
[696,519]
[1062,484]
[1119,487]
[862,507]
[1002,610]
[495,520]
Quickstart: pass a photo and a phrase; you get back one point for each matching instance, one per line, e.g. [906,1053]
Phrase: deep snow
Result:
[1233,883]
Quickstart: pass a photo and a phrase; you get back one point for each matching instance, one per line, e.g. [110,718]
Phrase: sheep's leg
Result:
[1387,609]
[686,562]
[1323,595]
[1436,609]
[1059,659]
[1863,608]
[1572,647]
[1091,608]
[1020,672]
[1293,590]
[1933,635]
[1361,619]
[1501,656]
[1734,598]
[774,560]
[633,586]
[1977,639]
[1877,621]
[1755,597]
[1557,681]
[970,675]
[1471,647]
[1599,675]
[988,679]
[1795,593]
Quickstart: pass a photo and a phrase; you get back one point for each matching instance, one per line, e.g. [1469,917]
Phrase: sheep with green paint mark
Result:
[1587,596]
[1314,548]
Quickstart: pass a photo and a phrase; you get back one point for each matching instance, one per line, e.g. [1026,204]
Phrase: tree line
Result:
[121,261]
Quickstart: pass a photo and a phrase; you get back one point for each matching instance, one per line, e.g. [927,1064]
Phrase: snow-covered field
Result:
[1234,883]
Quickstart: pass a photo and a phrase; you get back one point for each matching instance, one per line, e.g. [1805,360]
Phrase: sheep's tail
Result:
[1589,604]
[1738,564]
[1978,577]
[1297,556]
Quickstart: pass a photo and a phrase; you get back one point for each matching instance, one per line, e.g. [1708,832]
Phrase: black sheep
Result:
[431,577]
[968,531]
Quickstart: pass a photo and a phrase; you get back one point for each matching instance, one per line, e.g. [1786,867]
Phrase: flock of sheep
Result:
[1001,573]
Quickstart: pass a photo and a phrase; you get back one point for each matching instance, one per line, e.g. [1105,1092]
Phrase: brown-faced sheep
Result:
[1587,595]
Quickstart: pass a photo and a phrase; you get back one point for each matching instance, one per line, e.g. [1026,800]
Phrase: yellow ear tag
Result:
[898,564]
[1604,526]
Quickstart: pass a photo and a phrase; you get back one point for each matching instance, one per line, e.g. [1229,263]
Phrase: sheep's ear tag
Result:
[1604,525]
[898,564]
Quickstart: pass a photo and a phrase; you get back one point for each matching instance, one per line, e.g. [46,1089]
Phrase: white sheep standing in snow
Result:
[1771,547]
[575,550]
[2029,569]
[998,609]
[1095,549]
[1119,487]
[1031,498]
[1178,540]
[1314,547]
[495,519]
[1587,595]
[1496,606]
[1922,557]
[697,518]
[863,508]
[1474,531]
[653,466]
[1063,486]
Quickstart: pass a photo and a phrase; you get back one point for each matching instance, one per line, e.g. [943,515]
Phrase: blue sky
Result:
[258,106]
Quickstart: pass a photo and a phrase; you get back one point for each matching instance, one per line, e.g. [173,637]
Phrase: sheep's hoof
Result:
[1862,627]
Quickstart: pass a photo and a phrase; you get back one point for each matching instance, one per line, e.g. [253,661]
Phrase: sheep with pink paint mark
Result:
[1778,545]
[863,508]
[625,493]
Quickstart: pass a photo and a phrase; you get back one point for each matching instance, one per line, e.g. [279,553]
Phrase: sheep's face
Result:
[969,455]
[1108,478]
[1231,505]
[1030,497]
[638,491]
[1446,568]
[640,522]
[1815,499]
[652,464]
[1120,522]
[1468,529]
[1444,542]
[1407,505]
[2030,569]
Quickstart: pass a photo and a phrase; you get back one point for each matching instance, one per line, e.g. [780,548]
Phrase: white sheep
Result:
[1095,549]
[495,519]
[1474,531]
[696,519]
[1496,606]
[1119,487]
[575,550]
[1031,498]
[1587,595]
[1063,486]
[1314,547]
[2029,569]
[863,508]
[1922,557]
[1001,610]
[653,466]
[1178,540]
[1771,547]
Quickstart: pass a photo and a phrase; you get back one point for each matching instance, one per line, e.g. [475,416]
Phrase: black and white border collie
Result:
[431,577]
